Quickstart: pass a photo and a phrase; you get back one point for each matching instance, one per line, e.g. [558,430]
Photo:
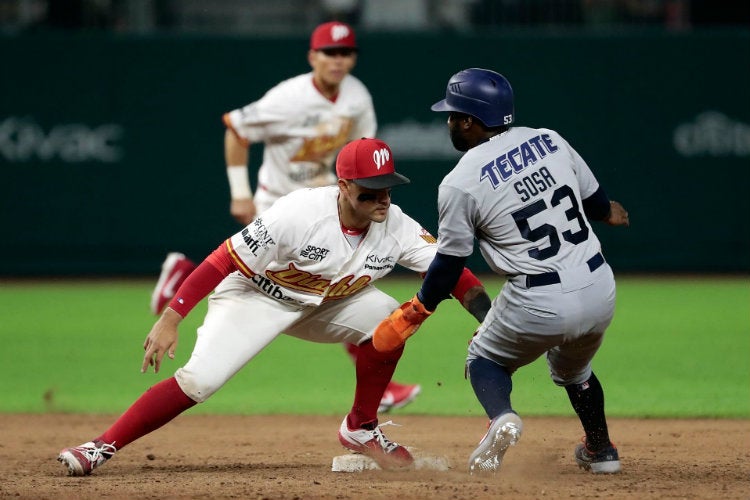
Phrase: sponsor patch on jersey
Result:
[375,263]
[256,237]
[270,288]
[314,253]
[425,235]
[517,159]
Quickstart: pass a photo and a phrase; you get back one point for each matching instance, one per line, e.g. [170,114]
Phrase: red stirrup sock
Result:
[157,406]
[374,372]
[352,350]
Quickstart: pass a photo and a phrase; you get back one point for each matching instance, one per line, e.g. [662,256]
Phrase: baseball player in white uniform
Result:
[527,196]
[302,122]
[304,268]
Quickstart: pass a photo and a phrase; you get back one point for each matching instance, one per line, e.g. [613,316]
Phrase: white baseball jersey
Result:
[299,276]
[296,251]
[303,131]
[520,194]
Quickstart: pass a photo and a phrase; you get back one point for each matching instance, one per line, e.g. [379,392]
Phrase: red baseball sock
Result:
[374,372]
[157,406]
[352,350]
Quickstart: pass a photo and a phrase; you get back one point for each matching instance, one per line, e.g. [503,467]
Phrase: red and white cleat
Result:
[398,395]
[81,460]
[174,271]
[374,444]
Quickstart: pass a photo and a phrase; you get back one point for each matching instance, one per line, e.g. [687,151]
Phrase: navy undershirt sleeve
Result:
[441,279]
[596,206]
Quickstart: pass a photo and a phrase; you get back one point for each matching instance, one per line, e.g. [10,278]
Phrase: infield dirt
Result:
[289,457]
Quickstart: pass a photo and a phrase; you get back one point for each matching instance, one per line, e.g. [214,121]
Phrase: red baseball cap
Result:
[369,163]
[331,35]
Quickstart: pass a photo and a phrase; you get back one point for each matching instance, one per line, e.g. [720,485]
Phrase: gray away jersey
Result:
[520,195]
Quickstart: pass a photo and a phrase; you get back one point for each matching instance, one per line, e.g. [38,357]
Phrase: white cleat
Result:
[504,432]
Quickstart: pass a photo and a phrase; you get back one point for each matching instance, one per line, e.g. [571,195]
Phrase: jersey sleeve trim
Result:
[228,123]
[241,266]
[597,206]
[201,281]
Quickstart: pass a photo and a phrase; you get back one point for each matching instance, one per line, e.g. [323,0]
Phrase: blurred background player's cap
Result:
[369,163]
[333,35]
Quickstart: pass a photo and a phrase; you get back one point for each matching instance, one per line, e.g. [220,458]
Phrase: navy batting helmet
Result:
[481,93]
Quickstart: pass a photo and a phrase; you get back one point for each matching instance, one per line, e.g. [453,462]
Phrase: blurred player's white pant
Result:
[241,321]
[566,320]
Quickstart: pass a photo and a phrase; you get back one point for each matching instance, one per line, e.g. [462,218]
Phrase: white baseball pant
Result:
[241,321]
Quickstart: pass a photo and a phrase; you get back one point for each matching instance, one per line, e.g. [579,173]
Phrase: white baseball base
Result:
[355,462]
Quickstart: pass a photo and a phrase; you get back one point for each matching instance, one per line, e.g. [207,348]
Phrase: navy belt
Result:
[553,277]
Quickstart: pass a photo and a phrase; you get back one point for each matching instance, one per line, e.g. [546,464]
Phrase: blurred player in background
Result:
[304,268]
[302,122]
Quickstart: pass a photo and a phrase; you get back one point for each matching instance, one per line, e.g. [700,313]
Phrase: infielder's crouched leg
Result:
[198,391]
[239,324]
[352,320]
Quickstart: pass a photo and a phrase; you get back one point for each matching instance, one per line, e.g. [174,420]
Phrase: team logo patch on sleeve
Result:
[425,235]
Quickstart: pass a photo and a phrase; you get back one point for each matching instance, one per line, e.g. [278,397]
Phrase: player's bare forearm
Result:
[236,152]
[243,210]
[618,216]
[477,302]
[161,340]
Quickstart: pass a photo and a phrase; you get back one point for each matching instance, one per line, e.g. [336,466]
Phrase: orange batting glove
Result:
[393,331]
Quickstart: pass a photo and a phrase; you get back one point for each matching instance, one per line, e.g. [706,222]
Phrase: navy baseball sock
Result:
[492,385]
[588,402]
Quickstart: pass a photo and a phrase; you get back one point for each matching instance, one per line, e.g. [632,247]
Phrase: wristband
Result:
[465,282]
[239,184]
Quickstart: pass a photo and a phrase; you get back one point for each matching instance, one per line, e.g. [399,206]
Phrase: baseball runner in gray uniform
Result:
[528,197]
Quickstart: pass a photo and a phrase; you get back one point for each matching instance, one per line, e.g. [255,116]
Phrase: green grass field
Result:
[678,347]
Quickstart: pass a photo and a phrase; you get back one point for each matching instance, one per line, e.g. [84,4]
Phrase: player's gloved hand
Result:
[393,331]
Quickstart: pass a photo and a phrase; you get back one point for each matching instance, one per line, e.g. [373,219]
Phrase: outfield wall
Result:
[111,148]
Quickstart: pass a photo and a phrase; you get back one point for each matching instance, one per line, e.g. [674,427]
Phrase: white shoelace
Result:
[383,441]
[96,453]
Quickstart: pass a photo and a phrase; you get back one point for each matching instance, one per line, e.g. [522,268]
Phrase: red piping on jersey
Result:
[332,99]
[353,232]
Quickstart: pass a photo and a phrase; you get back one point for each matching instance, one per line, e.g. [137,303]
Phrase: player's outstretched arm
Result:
[445,273]
[243,211]
[477,302]
[161,340]
[402,323]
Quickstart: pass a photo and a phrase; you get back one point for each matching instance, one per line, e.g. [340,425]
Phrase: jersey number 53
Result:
[548,230]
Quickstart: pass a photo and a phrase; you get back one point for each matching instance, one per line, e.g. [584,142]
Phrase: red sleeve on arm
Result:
[466,281]
[200,282]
